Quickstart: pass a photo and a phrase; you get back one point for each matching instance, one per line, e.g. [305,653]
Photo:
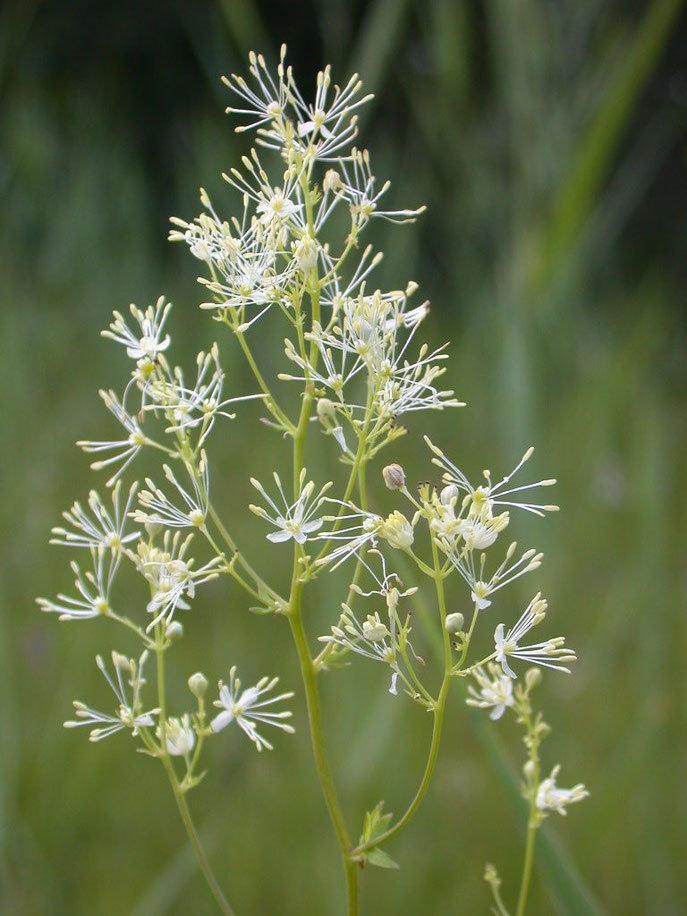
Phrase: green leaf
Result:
[381,859]
[376,822]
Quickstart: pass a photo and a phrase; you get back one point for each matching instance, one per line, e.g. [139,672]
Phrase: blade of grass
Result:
[577,195]
[378,40]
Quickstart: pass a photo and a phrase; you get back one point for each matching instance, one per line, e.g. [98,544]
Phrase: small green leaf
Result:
[376,822]
[381,859]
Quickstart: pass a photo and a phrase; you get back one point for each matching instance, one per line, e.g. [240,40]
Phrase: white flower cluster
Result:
[177,418]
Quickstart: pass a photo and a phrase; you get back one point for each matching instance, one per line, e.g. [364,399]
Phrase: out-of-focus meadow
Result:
[548,141]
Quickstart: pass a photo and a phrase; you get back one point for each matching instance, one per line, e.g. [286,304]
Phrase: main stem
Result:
[295,617]
[312,696]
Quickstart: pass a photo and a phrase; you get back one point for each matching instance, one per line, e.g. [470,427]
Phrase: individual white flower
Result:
[551,798]
[305,251]
[388,583]
[334,295]
[292,520]
[100,528]
[485,497]
[331,375]
[495,691]
[93,587]
[129,715]
[358,188]
[277,208]
[275,205]
[478,534]
[410,388]
[549,654]
[376,638]
[267,103]
[171,576]
[180,737]
[481,587]
[159,510]
[198,407]
[371,639]
[360,528]
[325,118]
[125,450]
[248,710]
[148,341]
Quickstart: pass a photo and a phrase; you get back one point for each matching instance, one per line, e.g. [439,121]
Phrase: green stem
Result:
[426,776]
[194,840]
[179,797]
[438,711]
[259,581]
[270,403]
[309,676]
[295,618]
[527,866]
[533,820]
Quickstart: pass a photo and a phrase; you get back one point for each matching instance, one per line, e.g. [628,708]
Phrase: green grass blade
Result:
[577,195]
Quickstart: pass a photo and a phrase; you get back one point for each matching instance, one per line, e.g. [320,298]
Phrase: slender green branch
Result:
[255,576]
[438,711]
[270,403]
[533,820]
[179,796]
[532,827]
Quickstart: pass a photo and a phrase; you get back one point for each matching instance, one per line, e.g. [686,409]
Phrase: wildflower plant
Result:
[352,355]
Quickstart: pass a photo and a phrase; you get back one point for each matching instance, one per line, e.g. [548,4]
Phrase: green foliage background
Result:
[548,140]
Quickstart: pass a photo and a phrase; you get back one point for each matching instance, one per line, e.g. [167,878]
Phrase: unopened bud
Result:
[454,622]
[448,493]
[174,631]
[332,180]
[325,410]
[305,252]
[532,678]
[394,476]
[198,685]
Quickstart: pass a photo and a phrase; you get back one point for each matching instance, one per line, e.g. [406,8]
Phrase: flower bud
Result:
[332,180]
[305,253]
[448,493]
[325,410]
[454,622]
[532,678]
[394,476]
[152,529]
[174,631]
[529,770]
[198,685]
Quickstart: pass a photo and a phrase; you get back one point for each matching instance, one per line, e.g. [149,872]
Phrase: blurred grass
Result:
[548,141]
